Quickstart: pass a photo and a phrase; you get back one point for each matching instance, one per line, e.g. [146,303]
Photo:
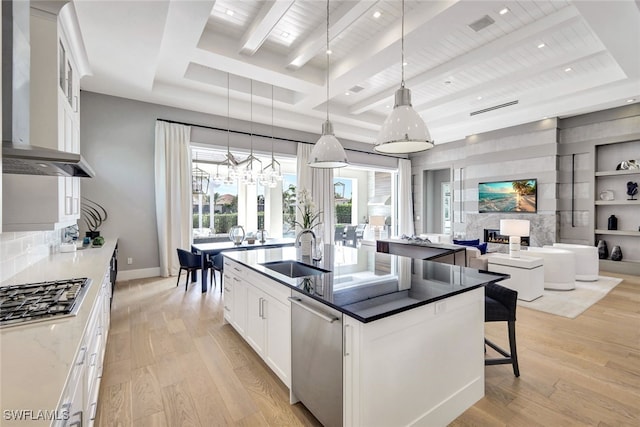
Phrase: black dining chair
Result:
[217,263]
[339,234]
[500,306]
[189,262]
[350,236]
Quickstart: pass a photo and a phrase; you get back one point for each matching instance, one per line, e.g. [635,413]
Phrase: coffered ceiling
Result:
[540,58]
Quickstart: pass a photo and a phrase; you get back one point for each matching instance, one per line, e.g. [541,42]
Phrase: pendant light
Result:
[199,179]
[251,174]
[328,152]
[272,173]
[229,179]
[403,131]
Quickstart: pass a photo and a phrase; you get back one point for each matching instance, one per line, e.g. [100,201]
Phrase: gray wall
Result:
[117,138]
[520,152]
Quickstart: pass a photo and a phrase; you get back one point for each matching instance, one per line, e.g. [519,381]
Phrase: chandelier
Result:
[199,180]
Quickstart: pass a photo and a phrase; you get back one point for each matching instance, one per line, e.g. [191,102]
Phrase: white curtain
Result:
[319,182]
[405,203]
[173,193]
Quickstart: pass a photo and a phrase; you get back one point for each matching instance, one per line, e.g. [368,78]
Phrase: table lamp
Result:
[515,229]
[376,222]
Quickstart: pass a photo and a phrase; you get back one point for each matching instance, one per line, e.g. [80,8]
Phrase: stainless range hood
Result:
[18,156]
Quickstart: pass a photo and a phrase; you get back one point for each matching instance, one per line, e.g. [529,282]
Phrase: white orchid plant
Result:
[309,215]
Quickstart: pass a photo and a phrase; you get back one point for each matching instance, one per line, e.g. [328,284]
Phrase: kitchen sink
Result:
[294,268]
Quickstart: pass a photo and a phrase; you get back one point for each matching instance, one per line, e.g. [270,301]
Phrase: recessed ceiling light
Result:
[329,51]
[479,98]
[229,12]
[541,45]
[545,117]
[568,69]
[388,106]
[630,100]
[504,11]
[347,93]
[285,35]
[405,63]
[377,14]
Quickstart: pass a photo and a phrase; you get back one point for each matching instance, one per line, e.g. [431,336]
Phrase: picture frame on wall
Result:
[508,196]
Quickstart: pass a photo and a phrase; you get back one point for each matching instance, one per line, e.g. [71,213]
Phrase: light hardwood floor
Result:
[171,361]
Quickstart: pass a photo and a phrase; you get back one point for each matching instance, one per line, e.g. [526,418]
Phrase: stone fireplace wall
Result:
[542,230]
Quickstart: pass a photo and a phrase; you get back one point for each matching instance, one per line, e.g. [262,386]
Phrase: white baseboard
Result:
[142,273]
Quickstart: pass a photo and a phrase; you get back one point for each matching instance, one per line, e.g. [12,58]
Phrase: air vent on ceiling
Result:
[356,89]
[495,107]
[481,23]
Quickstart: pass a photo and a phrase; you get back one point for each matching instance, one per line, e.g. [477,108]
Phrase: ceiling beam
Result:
[557,20]
[268,17]
[341,19]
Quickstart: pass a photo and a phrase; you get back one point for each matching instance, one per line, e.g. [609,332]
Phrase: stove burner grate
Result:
[32,302]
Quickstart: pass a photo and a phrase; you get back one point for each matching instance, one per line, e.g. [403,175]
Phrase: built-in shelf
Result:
[618,232]
[617,173]
[617,202]
[623,266]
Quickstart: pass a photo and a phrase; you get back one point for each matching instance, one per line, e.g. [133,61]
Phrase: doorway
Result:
[437,195]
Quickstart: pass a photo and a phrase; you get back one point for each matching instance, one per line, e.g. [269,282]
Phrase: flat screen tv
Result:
[508,196]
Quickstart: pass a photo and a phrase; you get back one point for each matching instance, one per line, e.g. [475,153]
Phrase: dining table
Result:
[209,250]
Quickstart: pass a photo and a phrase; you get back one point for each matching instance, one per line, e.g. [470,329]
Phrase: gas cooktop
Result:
[33,302]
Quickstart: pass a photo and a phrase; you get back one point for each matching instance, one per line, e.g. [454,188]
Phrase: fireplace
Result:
[494,236]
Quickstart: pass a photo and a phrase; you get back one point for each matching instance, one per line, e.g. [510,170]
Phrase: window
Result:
[224,205]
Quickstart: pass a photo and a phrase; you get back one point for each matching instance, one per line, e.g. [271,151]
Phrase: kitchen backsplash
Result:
[19,250]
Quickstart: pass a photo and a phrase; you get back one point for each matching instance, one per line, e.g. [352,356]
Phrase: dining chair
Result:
[500,306]
[217,263]
[189,262]
[339,234]
[350,236]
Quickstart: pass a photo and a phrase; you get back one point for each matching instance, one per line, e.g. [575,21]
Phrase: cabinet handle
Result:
[237,269]
[79,422]
[94,411]
[226,308]
[227,290]
[262,305]
[236,279]
[93,359]
[321,315]
[84,354]
[75,104]
[344,341]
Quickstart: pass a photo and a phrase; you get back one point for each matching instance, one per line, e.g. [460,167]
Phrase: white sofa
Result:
[437,238]
[559,267]
[586,260]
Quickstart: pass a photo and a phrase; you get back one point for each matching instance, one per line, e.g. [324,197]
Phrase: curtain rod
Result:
[265,136]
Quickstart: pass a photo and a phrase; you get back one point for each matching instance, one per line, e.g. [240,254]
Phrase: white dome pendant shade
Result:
[328,152]
[403,131]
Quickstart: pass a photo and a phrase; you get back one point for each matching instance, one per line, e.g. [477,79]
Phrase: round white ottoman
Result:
[587,261]
[559,267]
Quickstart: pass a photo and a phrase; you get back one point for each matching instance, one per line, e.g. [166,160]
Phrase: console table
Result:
[527,274]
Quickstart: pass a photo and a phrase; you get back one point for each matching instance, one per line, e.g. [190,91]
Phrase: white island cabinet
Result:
[422,367]
[258,309]
[411,345]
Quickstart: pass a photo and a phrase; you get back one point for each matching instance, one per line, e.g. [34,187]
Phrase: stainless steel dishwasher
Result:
[316,358]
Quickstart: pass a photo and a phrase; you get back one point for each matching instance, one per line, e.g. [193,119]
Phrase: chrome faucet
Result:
[313,239]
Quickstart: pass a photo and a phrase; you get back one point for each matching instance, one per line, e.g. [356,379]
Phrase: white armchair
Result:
[586,260]
[559,267]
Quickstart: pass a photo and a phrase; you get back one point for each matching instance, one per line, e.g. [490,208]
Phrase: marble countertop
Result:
[370,285]
[36,359]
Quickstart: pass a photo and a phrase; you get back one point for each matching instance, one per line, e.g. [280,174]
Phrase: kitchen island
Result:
[424,249]
[409,347]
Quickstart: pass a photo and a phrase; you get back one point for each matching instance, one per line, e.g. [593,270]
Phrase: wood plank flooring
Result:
[170,361]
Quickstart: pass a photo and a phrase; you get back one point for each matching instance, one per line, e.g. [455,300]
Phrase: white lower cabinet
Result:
[80,399]
[261,313]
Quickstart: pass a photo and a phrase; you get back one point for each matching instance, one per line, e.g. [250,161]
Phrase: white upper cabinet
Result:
[33,203]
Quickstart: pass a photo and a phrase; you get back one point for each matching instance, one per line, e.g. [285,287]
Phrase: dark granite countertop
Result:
[370,285]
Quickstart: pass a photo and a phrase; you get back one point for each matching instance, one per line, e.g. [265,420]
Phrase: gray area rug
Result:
[572,303]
